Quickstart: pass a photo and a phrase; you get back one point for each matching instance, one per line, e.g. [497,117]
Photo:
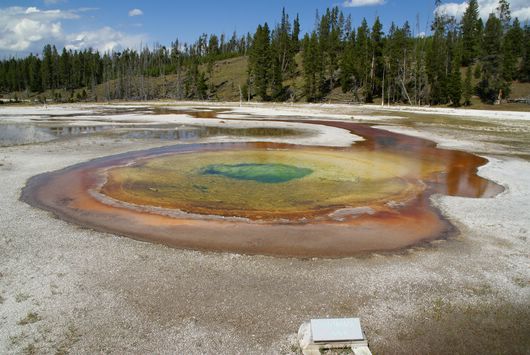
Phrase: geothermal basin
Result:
[267,197]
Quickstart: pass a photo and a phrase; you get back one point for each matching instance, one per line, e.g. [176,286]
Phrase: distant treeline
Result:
[457,60]
[124,72]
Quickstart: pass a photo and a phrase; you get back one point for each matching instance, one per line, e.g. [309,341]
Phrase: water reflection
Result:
[18,134]
[12,134]
[193,133]
[77,130]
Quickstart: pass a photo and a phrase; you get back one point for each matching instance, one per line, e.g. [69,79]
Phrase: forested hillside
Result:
[400,64]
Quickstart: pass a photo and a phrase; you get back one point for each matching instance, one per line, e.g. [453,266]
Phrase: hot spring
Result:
[269,198]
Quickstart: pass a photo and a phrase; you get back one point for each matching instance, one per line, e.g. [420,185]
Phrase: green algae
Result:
[264,173]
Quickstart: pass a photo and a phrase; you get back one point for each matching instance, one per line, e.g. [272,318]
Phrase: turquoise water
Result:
[265,173]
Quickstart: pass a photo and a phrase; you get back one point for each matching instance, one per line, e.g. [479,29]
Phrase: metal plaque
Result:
[336,329]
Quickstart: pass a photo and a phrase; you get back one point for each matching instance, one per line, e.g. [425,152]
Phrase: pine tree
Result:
[296,34]
[516,36]
[64,69]
[376,42]
[55,68]
[509,59]
[282,49]
[196,84]
[348,71]
[313,68]
[480,35]
[260,61]
[467,91]
[281,40]
[436,62]
[492,85]
[34,73]
[398,55]
[276,77]
[455,83]
[362,50]
[524,71]
[47,67]
[505,15]
[201,86]
[336,23]
[470,33]
[512,50]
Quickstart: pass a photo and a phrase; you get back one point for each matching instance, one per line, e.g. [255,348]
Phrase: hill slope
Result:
[229,77]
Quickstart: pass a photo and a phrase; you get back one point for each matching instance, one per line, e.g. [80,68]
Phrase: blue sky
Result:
[25,25]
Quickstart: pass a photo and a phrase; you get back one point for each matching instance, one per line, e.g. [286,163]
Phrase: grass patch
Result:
[21,297]
[30,318]
[29,350]
[71,337]
[482,290]
[16,340]
[519,281]
[483,328]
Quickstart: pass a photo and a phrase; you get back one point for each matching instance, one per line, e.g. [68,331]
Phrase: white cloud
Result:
[523,14]
[32,10]
[104,39]
[519,8]
[24,30]
[136,12]
[452,9]
[20,27]
[359,3]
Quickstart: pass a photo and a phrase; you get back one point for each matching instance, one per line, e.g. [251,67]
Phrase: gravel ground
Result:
[68,289]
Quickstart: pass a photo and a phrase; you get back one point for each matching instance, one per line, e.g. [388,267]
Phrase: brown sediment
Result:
[196,113]
[68,193]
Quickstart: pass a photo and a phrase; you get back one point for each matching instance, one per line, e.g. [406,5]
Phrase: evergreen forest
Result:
[455,60]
